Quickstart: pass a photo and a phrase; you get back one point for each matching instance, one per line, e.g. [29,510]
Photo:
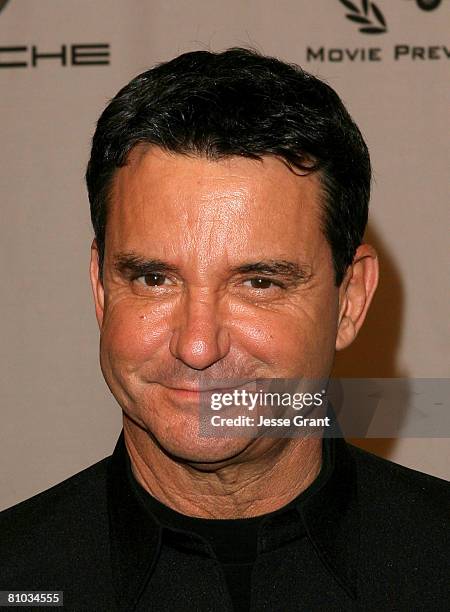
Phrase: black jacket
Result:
[373,536]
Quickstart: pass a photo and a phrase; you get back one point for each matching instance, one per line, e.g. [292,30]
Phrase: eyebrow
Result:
[132,263]
[275,267]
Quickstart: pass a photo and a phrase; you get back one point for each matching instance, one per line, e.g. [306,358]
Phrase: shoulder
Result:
[404,533]
[64,498]
[385,482]
[56,527]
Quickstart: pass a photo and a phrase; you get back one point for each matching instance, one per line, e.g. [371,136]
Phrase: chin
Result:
[204,452]
[175,428]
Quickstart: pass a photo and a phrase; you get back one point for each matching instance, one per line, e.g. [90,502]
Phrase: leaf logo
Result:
[368,15]
[3,3]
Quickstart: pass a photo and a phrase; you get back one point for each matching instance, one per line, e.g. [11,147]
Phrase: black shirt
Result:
[376,540]
[234,543]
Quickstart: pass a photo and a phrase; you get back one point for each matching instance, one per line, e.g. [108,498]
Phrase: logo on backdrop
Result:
[23,55]
[370,19]
[428,5]
[3,3]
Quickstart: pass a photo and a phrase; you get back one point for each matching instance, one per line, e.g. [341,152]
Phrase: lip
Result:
[189,396]
[184,393]
[197,391]
[190,390]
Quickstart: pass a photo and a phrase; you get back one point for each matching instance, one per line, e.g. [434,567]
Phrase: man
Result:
[229,197]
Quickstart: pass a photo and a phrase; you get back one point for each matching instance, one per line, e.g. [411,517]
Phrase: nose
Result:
[199,337]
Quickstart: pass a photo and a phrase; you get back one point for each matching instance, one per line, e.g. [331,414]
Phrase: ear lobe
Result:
[355,294]
[96,283]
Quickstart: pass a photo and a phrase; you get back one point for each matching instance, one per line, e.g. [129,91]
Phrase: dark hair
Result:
[240,102]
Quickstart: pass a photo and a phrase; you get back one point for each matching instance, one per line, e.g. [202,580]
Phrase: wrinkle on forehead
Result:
[210,211]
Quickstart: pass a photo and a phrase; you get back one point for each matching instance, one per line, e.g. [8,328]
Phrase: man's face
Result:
[213,270]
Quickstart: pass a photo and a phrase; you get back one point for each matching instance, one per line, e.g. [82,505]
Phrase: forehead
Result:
[176,199]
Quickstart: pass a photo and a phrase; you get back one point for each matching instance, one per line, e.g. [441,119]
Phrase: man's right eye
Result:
[152,280]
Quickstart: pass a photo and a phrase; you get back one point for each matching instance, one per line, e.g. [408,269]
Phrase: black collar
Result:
[329,515]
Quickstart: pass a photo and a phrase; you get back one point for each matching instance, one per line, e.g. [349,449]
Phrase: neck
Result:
[261,481]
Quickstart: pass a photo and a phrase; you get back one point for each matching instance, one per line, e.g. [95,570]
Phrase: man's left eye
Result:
[260,283]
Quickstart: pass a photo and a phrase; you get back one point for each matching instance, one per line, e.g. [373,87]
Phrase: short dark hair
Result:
[239,102]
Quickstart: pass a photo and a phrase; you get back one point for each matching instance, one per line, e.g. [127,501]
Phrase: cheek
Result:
[297,340]
[131,334]
[261,334]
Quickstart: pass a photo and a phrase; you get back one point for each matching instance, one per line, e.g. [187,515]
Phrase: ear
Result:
[355,294]
[96,283]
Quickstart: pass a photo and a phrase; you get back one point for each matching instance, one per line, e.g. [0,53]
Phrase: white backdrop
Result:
[57,413]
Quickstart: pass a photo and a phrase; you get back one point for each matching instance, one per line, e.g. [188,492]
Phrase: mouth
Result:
[196,391]
[194,396]
[184,394]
